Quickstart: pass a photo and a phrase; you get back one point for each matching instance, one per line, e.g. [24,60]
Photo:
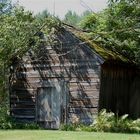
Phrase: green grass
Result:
[63,135]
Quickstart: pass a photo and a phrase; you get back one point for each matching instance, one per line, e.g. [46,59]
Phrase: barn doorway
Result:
[48,107]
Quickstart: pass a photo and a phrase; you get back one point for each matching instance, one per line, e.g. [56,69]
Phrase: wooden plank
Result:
[22,85]
[83,97]
[65,70]
[37,74]
[23,116]
[88,83]
[22,94]
[22,109]
[59,65]
[74,83]
[91,92]
[22,106]
[76,90]
[79,110]
[85,83]
[84,88]
[76,80]
[71,80]
[25,112]
[84,94]
[28,79]
[23,89]
[52,75]
[84,100]
[50,61]
[21,98]
[60,70]
[72,88]
[14,102]
[84,103]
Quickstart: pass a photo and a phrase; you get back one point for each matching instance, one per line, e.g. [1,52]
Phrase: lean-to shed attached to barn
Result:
[57,83]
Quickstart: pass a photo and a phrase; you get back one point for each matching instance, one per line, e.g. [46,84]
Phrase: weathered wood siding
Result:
[120,88]
[134,102]
[69,62]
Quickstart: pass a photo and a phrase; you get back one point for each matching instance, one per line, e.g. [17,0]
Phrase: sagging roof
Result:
[105,53]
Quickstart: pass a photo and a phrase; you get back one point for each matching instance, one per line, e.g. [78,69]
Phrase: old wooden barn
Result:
[60,82]
[57,83]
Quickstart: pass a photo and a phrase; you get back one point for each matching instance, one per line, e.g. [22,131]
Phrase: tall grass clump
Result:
[109,122]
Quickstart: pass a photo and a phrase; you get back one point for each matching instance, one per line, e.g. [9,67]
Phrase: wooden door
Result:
[44,104]
[48,107]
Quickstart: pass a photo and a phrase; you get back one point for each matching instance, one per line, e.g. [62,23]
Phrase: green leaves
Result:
[17,28]
[72,18]
[89,22]
[123,20]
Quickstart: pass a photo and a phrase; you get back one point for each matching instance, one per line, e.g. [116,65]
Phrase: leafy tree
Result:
[89,22]
[86,13]
[17,29]
[71,18]
[44,14]
[123,24]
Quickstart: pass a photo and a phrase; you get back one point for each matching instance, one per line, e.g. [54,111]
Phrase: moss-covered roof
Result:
[106,54]
[103,52]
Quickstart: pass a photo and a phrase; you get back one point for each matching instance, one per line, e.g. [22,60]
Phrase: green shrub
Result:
[135,126]
[68,127]
[20,125]
[108,122]
[104,121]
[86,128]
[7,122]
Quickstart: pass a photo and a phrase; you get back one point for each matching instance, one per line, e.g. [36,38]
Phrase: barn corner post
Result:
[100,91]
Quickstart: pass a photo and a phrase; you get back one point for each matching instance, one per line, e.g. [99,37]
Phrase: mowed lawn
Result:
[63,135]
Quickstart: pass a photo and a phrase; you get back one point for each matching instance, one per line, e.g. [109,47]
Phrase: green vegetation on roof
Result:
[103,52]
